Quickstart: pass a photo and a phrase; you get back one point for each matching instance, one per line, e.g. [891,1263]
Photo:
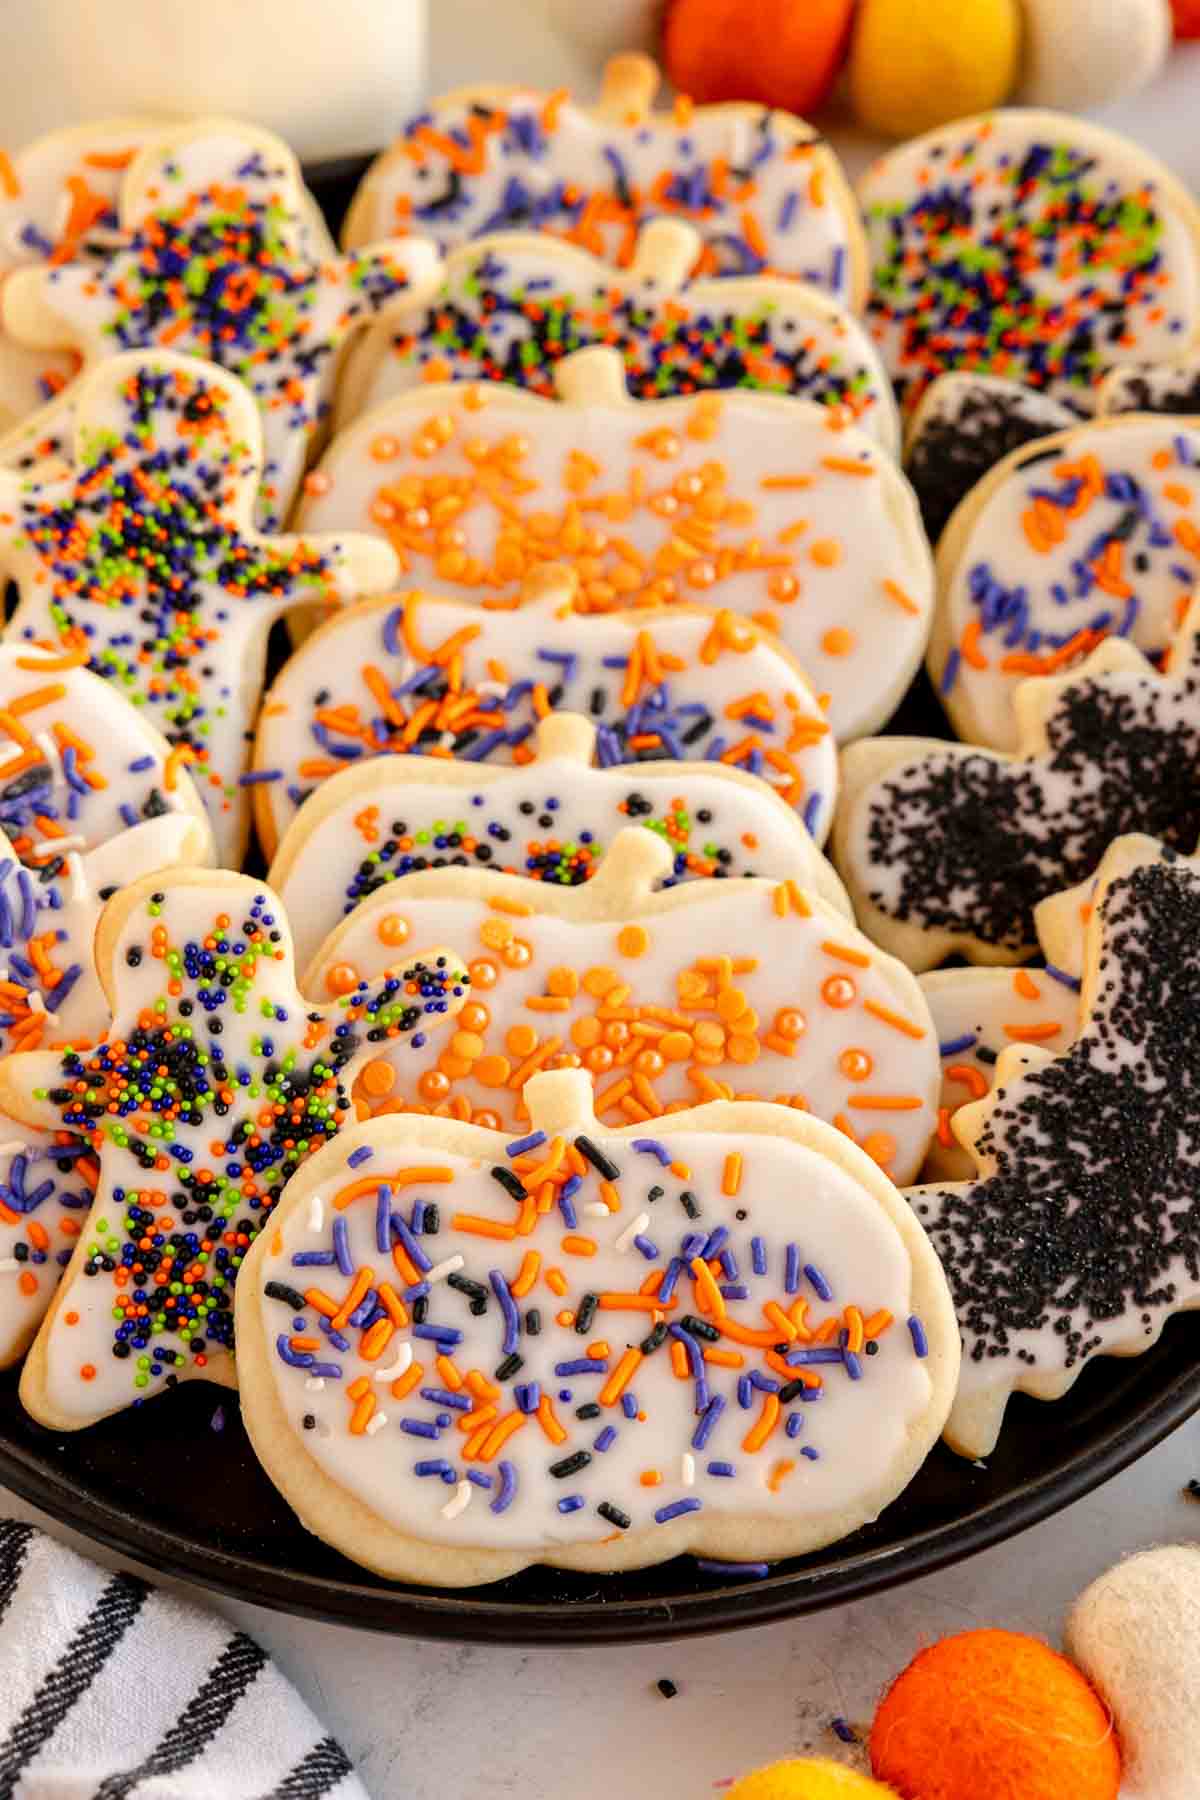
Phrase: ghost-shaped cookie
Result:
[591,1347]
[214,1082]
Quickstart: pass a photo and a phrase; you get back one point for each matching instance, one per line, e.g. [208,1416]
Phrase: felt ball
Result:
[1076,55]
[1187,18]
[807,1779]
[1136,1633]
[783,53]
[915,64]
[993,1715]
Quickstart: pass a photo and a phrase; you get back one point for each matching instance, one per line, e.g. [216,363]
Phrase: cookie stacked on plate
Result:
[526,1145]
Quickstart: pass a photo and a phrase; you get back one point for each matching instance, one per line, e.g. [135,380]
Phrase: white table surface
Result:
[431,1721]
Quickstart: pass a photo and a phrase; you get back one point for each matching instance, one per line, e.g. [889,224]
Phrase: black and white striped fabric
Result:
[109,1689]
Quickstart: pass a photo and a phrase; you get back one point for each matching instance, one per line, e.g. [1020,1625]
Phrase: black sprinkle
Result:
[570,1465]
[614,1515]
[508,1368]
[585,1312]
[602,1164]
[279,1290]
[508,1181]
[666,1688]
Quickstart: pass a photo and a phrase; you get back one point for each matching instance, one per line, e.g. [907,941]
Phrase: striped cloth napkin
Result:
[109,1688]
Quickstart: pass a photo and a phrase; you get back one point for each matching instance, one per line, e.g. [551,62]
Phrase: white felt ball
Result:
[1083,53]
[1135,1633]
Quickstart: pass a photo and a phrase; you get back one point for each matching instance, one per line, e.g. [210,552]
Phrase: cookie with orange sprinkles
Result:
[144,559]
[1031,245]
[755,502]
[214,1084]
[427,676]
[1079,1234]
[755,990]
[947,850]
[760,186]
[551,820]
[510,305]
[213,255]
[743,1348]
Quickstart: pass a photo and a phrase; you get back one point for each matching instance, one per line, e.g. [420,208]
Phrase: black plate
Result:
[163,1485]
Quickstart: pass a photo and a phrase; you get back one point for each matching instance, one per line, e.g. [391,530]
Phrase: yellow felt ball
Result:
[915,64]
[808,1780]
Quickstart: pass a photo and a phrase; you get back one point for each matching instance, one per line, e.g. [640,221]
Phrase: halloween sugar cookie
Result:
[448,1382]
[751,502]
[963,425]
[758,990]
[948,849]
[198,969]
[214,257]
[551,820]
[144,557]
[511,305]
[1031,245]
[760,186]
[1077,1235]
[1086,535]
[437,677]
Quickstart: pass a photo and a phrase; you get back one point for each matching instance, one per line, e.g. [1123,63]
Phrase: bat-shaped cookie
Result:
[945,848]
[143,556]
[214,256]
[761,188]
[758,990]
[460,1354]
[750,501]
[551,819]
[214,1083]
[440,677]
[511,305]
[1031,245]
[1078,1236]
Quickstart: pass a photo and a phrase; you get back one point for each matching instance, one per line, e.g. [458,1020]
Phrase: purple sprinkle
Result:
[824,1291]
[758,1255]
[629,1405]
[707,1421]
[725,1469]
[419,1428]
[217,1422]
[479,1478]
[795,1424]
[432,1466]
[841,1728]
[791,1277]
[383,1236]
[812,1455]
[753,1571]
[519,1146]
[675,1510]
[652,1147]
[571,1503]
[606,1439]
[508,1307]
[508,1488]
[853,1365]
[917,1332]
[363,1154]
[956,1046]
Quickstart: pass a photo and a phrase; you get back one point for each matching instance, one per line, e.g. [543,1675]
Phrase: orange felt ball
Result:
[783,53]
[1187,18]
[992,1715]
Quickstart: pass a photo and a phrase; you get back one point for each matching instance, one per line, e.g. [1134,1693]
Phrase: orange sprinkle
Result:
[731,1175]
[764,1425]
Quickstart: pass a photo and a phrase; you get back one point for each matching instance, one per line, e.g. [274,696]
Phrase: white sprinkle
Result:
[595,1209]
[315,1383]
[496,689]
[78,889]
[439,1271]
[460,1502]
[316,1213]
[9,1265]
[687,1469]
[49,750]
[375,1423]
[59,846]
[631,1231]
[13,755]
[401,1366]
[38,1005]
[446,741]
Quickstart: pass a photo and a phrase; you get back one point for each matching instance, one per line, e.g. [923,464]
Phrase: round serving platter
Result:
[174,1484]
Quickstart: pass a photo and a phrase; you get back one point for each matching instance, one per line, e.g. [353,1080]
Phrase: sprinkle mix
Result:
[442,679]
[46,1186]
[755,183]
[481,1368]
[998,247]
[214,1087]
[214,261]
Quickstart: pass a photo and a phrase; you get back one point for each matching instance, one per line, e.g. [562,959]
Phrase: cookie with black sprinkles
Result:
[1080,1234]
[948,849]
[1169,387]
[966,424]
